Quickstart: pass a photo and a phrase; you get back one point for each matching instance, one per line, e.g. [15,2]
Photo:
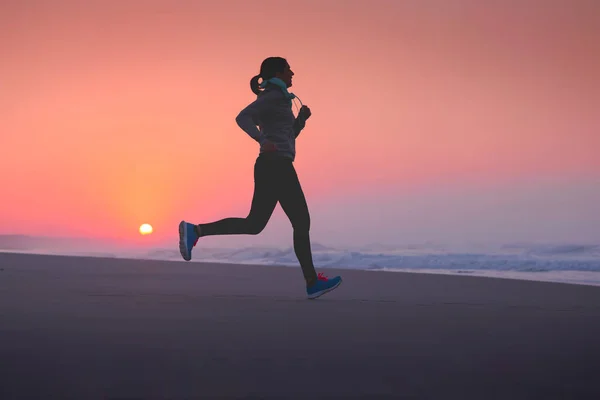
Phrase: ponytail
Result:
[268,69]
[255,86]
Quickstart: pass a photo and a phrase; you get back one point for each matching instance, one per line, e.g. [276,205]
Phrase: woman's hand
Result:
[304,113]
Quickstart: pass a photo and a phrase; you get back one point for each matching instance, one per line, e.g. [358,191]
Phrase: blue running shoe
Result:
[187,239]
[322,286]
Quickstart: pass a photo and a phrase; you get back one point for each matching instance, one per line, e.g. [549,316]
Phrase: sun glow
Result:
[146,229]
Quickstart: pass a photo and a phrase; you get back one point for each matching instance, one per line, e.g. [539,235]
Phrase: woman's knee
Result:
[255,225]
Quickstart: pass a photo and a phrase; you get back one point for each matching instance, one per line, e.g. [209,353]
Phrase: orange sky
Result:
[116,113]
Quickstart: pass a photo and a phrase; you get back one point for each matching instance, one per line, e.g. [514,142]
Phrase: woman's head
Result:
[272,67]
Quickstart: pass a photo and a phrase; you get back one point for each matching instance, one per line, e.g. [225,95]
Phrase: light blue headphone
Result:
[281,84]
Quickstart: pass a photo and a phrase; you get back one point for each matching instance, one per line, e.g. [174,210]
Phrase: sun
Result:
[146,229]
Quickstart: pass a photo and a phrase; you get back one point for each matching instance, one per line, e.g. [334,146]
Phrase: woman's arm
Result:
[248,118]
[300,121]
[299,124]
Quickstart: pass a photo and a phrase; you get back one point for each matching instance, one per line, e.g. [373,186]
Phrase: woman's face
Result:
[286,75]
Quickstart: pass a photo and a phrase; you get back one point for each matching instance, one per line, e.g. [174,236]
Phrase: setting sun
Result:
[146,229]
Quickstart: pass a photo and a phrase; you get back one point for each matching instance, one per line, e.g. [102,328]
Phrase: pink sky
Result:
[119,113]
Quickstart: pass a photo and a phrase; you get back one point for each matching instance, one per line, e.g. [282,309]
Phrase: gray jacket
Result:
[272,113]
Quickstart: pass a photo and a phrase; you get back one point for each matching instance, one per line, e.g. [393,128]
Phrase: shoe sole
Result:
[321,293]
[185,253]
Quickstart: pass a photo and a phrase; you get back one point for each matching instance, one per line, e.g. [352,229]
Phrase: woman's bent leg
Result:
[264,201]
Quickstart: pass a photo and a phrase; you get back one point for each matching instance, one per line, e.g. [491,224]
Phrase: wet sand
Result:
[98,328]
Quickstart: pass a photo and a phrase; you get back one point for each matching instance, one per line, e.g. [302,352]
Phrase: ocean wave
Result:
[519,257]
[539,259]
[577,250]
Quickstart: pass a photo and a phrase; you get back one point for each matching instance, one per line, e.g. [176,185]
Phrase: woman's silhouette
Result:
[275,178]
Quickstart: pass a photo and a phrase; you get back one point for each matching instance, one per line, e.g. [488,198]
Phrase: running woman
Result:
[269,120]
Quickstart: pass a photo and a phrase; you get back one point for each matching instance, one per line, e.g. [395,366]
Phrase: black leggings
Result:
[275,180]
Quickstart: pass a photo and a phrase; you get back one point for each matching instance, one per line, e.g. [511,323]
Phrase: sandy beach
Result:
[100,328]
